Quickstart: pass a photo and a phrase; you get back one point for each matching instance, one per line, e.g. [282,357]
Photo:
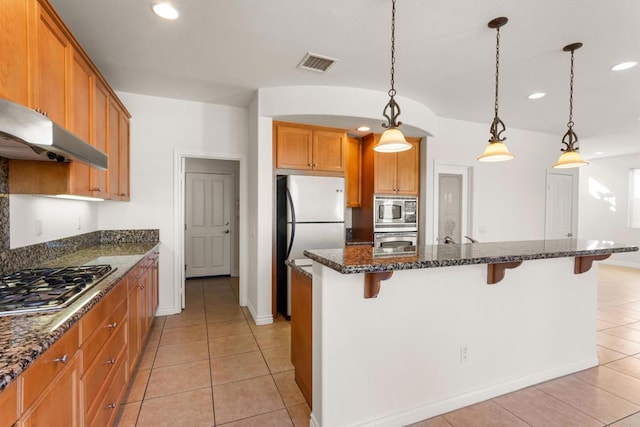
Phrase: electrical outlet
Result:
[464,353]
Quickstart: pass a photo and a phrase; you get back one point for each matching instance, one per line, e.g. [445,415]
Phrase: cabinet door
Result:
[124,157]
[13,43]
[293,148]
[50,58]
[144,303]
[79,120]
[100,116]
[353,173]
[114,149]
[386,170]
[328,151]
[133,323]
[408,166]
[60,404]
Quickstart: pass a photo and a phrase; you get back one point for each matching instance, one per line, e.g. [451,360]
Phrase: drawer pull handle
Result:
[110,362]
[112,325]
[111,406]
[62,359]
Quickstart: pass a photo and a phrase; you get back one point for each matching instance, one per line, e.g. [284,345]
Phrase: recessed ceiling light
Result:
[537,95]
[624,66]
[597,153]
[165,10]
[363,129]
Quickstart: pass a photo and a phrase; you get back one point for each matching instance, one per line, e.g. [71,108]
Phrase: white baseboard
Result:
[168,311]
[621,263]
[446,405]
[259,320]
[313,422]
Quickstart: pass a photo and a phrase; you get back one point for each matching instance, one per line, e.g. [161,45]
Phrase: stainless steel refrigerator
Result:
[310,215]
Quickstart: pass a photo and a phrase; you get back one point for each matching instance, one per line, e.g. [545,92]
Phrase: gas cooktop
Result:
[45,289]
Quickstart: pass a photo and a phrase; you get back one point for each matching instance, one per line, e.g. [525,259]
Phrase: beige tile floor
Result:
[210,365]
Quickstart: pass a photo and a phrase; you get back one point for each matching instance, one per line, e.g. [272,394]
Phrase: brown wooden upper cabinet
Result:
[393,173]
[311,148]
[353,173]
[46,69]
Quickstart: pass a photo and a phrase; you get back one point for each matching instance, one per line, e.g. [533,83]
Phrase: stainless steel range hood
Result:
[28,135]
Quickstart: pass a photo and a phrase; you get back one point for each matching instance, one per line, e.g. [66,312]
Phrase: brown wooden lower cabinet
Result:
[301,332]
[81,380]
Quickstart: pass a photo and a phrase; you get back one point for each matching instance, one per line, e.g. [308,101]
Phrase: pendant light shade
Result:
[496,151]
[392,140]
[570,157]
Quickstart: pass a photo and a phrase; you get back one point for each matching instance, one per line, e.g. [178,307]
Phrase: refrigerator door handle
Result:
[293,223]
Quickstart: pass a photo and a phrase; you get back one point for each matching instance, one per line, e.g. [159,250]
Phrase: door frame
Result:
[232,216]
[442,167]
[179,200]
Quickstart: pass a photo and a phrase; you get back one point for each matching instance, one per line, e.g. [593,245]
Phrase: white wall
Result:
[58,218]
[508,197]
[159,128]
[601,219]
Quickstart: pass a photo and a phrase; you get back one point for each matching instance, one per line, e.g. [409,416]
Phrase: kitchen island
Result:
[398,338]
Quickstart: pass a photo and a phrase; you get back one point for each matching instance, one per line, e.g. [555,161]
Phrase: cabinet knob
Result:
[62,359]
[111,406]
[309,164]
[110,362]
[112,325]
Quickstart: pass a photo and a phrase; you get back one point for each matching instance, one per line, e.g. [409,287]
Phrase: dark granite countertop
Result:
[24,337]
[305,269]
[364,259]
[356,242]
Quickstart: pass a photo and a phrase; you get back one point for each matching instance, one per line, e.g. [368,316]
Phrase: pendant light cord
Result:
[570,124]
[392,91]
[497,68]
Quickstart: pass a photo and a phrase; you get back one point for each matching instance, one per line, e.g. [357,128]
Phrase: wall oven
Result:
[395,214]
[394,242]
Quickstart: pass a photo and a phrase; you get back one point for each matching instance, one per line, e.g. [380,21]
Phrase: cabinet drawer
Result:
[36,378]
[96,374]
[97,315]
[106,329]
[136,274]
[108,401]
[9,405]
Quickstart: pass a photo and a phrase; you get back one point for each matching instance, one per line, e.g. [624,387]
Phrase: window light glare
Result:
[624,66]
[537,95]
[598,153]
[165,10]
[363,129]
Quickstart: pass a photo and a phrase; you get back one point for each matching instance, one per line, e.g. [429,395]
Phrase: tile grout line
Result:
[206,328]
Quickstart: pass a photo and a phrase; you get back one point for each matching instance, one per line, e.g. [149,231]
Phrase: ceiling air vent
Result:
[314,62]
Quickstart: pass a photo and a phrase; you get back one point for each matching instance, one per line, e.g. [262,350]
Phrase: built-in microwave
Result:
[395,213]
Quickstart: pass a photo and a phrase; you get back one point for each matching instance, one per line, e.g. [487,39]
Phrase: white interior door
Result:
[559,206]
[208,224]
[452,208]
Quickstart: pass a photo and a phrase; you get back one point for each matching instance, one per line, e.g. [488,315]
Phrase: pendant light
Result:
[392,139]
[570,157]
[496,151]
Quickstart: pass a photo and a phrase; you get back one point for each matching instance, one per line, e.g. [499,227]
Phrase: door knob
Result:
[569,234]
[226,231]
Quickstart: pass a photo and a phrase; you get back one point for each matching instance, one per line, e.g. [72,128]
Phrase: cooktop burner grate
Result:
[44,289]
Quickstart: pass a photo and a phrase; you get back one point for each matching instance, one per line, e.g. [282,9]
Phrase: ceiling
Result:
[221,51]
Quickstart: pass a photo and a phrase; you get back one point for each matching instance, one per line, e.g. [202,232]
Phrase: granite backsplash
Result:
[34,255]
